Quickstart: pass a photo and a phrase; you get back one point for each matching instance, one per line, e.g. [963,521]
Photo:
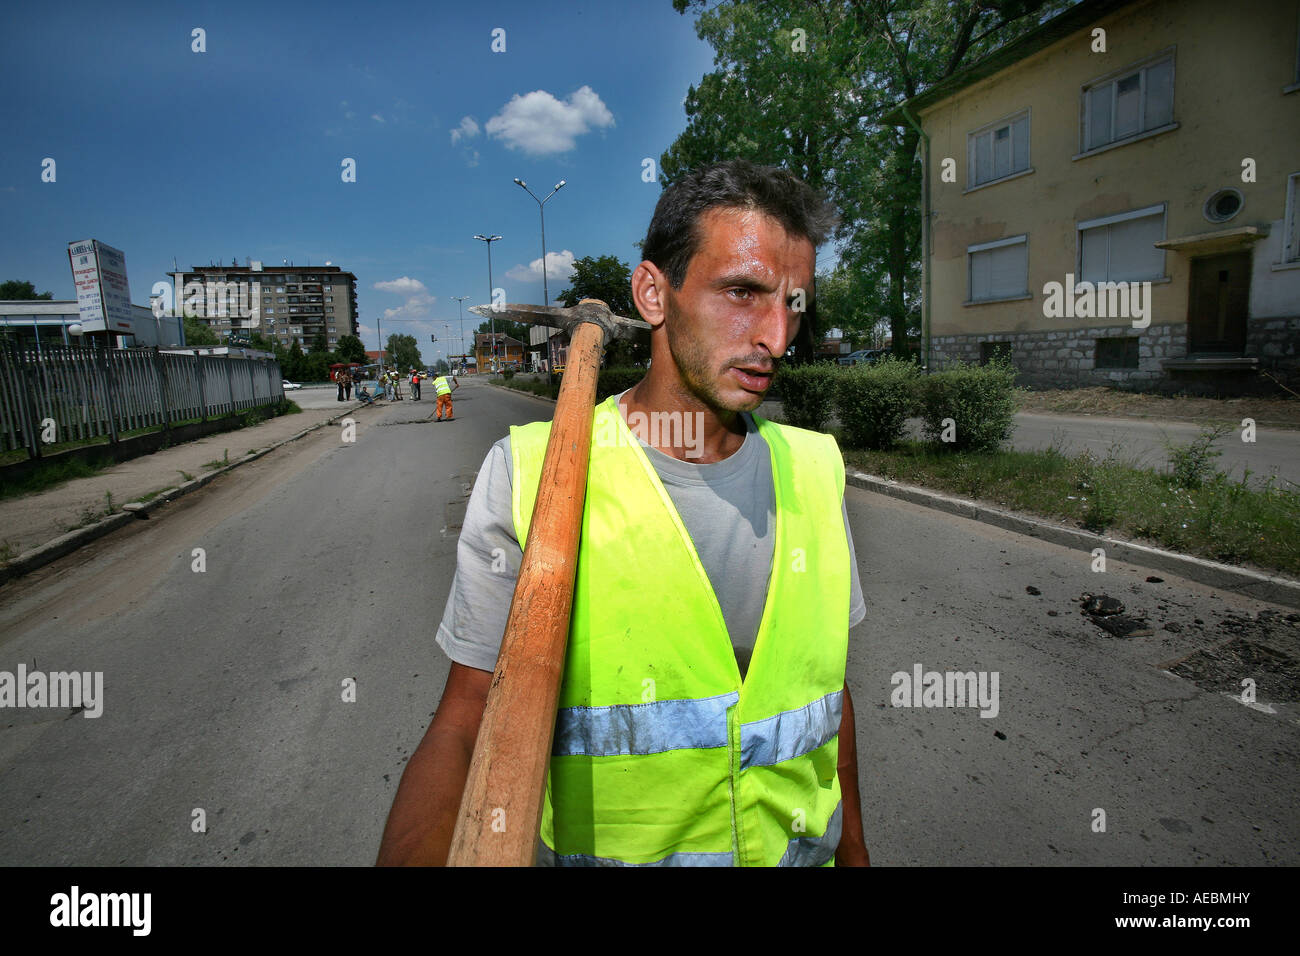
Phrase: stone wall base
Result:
[1067,358]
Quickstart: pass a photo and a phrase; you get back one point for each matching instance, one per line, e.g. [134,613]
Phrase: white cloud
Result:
[559,266]
[418,302]
[467,129]
[377,118]
[402,286]
[540,125]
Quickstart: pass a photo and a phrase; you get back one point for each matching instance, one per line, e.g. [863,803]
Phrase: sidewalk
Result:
[35,520]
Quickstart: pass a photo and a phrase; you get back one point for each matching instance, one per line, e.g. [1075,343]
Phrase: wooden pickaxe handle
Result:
[501,808]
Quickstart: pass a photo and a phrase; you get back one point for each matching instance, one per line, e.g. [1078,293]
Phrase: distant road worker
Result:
[415,385]
[444,390]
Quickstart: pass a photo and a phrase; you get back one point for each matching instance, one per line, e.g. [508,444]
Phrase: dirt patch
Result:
[1222,669]
[1112,403]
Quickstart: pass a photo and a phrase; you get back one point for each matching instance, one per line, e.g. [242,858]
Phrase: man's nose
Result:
[776,326]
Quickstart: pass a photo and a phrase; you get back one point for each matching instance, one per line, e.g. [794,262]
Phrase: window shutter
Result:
[1160,94]
[1020,143]
[1128,100]
[1093,248]
[1099,116]
[984,157]
[1133,255]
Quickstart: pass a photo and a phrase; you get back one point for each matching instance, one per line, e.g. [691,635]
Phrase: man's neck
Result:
[679,424]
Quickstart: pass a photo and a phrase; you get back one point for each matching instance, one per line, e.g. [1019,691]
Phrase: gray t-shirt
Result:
[728,508]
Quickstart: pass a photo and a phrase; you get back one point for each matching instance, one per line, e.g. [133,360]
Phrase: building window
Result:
[1223,205]
[999,270]
[1128,105]
[994,350]
[279,288]
[329,298]
[1121,248]
[1117,353]
[998,150]
[280,299]
[1291,234]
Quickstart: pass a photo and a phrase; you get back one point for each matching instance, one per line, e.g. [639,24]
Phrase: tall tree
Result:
[351,349]
[609,279]
[804,83]
[403,351]
[15,290]
[198,332]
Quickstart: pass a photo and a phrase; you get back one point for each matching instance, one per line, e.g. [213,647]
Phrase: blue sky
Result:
[237,151]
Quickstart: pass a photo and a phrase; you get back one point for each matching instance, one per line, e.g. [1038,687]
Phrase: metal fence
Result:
[67,393]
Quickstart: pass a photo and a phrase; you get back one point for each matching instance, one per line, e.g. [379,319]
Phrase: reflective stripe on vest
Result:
[801,851]
[662,754]
[684,724]
[441,385]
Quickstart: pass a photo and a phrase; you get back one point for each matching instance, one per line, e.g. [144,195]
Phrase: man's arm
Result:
[852,850]
[423,816]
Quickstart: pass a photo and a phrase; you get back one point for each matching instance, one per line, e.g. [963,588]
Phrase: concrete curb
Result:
[65,544]
[1255,584]
[517,391]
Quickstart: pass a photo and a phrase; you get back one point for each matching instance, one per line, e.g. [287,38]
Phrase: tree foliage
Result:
[198,332]
[351,349]
[403,351]
[804,84]
[609,279]
[16,290]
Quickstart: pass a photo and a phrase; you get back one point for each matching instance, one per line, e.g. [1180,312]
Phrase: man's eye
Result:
[739,293]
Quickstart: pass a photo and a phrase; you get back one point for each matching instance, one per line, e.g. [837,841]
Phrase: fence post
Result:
[27,405]
[230,383]
[202,373]
[164,399]
[110,387]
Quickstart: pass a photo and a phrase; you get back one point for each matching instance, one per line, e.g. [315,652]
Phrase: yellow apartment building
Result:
[1114,197]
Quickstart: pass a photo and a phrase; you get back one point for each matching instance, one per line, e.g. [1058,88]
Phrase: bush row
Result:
[965,408]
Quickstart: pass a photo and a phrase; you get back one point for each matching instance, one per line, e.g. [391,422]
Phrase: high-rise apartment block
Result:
[291,302]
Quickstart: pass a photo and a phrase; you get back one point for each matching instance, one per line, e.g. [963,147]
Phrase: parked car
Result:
[290,385]
[864,356]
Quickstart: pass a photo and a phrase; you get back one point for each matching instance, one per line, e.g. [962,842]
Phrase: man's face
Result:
[732,319]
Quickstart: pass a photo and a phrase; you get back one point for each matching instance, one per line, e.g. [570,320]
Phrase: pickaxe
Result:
[501,808]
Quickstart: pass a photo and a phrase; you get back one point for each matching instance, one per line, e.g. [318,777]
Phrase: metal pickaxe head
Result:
[588,310]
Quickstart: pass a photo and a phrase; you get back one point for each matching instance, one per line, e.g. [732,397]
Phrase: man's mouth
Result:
[754,379]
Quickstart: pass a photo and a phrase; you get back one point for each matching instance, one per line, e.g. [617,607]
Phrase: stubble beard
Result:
[690,356]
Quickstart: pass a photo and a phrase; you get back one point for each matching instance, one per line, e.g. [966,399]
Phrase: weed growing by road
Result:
[1192,463]
[1223,519]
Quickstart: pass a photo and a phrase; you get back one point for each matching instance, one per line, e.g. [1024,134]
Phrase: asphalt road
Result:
[327,561]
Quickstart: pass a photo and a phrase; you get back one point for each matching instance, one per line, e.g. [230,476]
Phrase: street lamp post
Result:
[489,240]
[460,301]
[546,296]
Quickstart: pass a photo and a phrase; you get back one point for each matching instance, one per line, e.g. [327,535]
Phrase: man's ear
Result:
[650,293]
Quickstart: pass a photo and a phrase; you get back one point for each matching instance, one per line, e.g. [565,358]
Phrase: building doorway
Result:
[1218,304]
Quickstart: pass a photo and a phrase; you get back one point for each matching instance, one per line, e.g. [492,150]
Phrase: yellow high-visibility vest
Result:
[662,755]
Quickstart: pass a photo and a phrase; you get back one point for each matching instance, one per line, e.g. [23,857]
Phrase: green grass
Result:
[1222,519]
[89,515]
[532,386]
[221,462]
[48,475]
[53,473]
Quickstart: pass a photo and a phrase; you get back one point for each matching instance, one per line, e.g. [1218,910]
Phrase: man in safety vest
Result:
[415,385]
[444,390]
[704,717]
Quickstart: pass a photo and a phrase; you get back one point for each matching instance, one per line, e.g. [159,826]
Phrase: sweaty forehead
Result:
[747,240]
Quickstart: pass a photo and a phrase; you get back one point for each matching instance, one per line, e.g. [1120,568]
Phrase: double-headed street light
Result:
[489,240]
[546,297]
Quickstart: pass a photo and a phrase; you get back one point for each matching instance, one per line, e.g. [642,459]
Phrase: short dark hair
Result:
[673,236]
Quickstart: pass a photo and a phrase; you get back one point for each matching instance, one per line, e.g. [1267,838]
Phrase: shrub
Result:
[979,399]
[873,402]
[508,374]
[1192,464]
[616,379]
[807,394]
